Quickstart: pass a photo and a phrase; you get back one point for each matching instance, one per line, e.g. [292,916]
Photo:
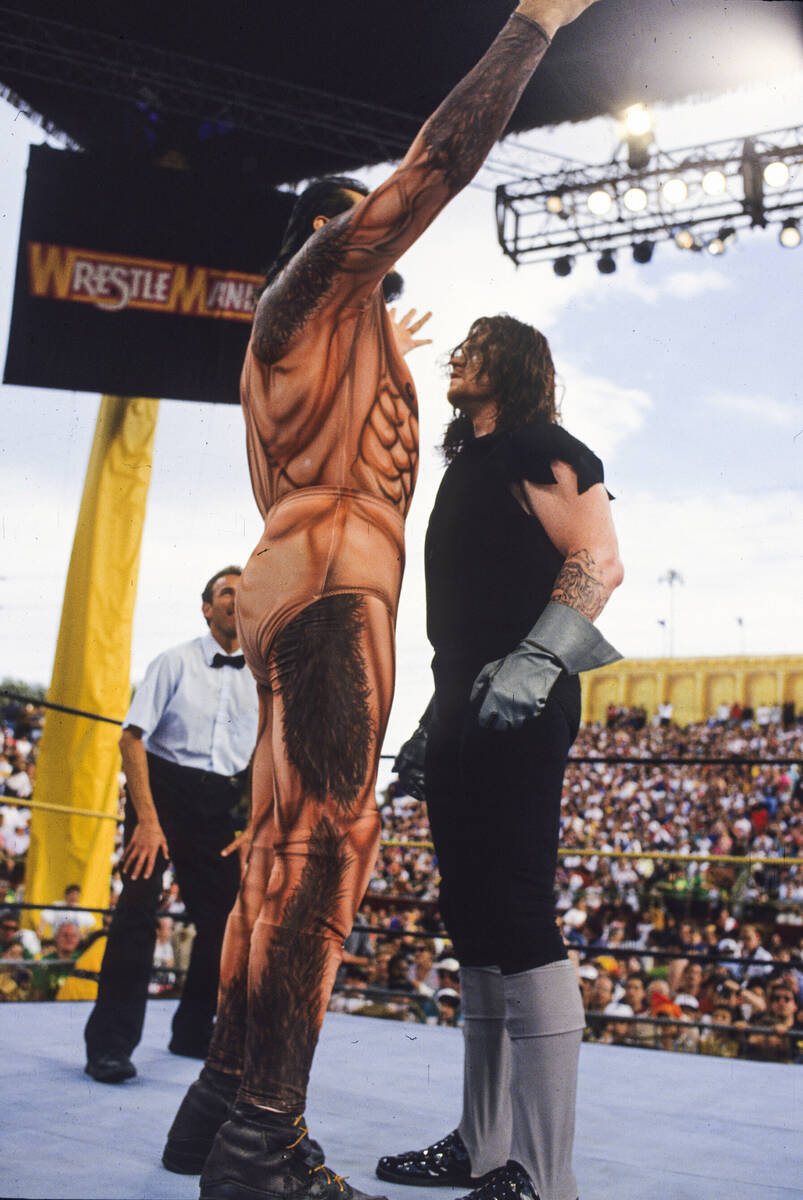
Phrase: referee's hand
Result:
[140,855]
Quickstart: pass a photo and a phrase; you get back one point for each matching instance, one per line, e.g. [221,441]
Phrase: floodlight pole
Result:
[672,578]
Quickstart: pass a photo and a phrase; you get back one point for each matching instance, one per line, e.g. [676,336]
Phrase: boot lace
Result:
[299,1124]
[330,1176]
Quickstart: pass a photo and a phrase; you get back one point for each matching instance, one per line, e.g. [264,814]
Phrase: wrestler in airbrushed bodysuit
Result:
[331,422]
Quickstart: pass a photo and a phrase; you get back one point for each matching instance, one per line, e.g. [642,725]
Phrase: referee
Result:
[186,742]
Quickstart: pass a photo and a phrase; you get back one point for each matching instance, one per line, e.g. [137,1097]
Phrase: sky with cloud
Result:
[684,375]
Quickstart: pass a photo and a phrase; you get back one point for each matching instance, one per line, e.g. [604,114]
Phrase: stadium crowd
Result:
[648,933]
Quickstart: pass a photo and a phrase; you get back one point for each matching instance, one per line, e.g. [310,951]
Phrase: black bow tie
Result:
[229,660]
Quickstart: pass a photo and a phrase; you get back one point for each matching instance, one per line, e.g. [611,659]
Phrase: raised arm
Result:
[353,251]
[453,144]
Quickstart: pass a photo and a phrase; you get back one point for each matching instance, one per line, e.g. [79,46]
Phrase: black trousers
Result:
[194,809]
[494,810]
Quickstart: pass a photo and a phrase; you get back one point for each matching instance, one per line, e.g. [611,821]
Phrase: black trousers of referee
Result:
[494,810]
[194,810]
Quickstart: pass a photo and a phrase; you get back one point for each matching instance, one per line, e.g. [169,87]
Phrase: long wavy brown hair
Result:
[518,363]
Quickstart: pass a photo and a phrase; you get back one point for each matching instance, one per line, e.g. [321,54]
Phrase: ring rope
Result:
[638,760]
[563,852]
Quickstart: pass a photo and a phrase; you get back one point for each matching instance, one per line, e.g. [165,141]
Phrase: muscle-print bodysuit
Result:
[332,435]
[331,426]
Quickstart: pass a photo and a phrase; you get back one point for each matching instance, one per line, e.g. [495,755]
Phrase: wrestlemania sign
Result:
[137,282]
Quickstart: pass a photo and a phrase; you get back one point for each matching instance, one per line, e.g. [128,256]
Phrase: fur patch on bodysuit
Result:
[327,726]
[228,1038]
[285,1005]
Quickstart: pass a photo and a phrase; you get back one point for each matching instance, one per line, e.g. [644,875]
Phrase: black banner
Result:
[137,281]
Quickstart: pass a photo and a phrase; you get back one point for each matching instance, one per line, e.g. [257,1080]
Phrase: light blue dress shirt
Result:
[194,714]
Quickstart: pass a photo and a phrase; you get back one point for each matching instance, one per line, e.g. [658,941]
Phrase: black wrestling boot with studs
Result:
[510,1182]
[202,1111]
[263,1155]
[444,1164]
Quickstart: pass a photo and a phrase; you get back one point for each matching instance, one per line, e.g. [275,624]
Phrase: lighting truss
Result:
[547,217]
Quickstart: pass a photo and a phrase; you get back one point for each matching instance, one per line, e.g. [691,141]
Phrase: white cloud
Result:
[768,409]
[604,411]
[734,554]
[651,288]
[687,285]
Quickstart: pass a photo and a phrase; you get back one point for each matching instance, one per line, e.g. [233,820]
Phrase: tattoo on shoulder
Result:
[579,586]
[298,291]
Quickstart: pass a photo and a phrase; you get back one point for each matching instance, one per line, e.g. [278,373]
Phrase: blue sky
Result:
[684,374]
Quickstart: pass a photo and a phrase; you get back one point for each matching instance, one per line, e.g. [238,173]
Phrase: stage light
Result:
[563,266]
[675,191]
[790,234]
[638,120]
[720,243]
[776,174]
[714,183]
[635,199]
[642,252]
[606,263]
[554,204]
[684,239]
[600,202]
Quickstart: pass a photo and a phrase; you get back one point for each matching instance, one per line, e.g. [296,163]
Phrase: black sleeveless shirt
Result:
[490,567]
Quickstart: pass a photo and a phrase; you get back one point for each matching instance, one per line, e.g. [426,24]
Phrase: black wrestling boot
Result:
[111,1068]
[260,1155]
[510,1182]
[203,1110]
[201,1113]
[444,1164]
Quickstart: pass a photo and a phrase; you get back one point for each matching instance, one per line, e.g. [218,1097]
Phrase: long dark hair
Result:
[518,363]
[324,198]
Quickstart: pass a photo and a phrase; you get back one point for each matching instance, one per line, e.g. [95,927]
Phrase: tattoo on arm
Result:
[297,293]
[579,586]
[461,132]
[447,153]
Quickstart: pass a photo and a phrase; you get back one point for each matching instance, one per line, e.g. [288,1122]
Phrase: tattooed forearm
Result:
[580,585]
[461,132]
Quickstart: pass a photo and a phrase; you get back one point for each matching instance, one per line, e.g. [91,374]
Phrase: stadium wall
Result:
[694,686]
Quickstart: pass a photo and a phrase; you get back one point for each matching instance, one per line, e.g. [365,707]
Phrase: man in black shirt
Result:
[521,556]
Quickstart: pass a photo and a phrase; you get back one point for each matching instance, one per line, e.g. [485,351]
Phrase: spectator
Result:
[688,1039]
[163,957]
[19,783]
[448,1001]
[718,1041]
[448,974]
[587,975]
[11,934]
[670,1018]
[66,948]
[16,979]
[752,951]
[780,1045]
[616,1029]
[65,910]
[639,1033]
[351,998]
[423,974]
